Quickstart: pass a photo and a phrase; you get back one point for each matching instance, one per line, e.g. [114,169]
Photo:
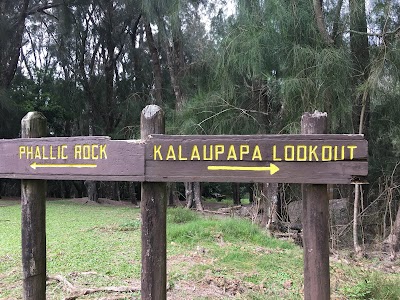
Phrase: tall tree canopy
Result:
[92,65]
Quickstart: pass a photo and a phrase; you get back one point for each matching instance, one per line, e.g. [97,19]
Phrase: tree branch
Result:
[79,292]
[42,8]
[383,34]
[319,18]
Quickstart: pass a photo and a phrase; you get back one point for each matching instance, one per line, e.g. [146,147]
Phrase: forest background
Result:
[92,65]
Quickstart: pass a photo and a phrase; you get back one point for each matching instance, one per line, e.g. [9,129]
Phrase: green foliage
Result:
[10,115]
[47,94]
[319,79]
[373,287]
[181,215]
[186,227]
[93,245]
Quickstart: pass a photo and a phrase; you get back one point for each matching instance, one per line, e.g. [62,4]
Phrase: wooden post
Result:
[315,224]
[33,201]
[154,219]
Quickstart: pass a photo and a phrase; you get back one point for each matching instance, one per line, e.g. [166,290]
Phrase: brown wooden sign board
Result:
[264,158]
[164,158]
[72,158]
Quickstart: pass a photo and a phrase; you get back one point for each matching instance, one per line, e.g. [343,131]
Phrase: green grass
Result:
[100,246]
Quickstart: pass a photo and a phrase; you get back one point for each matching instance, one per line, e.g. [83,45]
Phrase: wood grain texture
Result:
[269,146]
[300,158]
[316,223]
[327,172]
[33,219]
[153,208]
[116,161]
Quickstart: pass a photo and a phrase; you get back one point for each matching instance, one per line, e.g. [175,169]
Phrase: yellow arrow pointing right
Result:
[272,168]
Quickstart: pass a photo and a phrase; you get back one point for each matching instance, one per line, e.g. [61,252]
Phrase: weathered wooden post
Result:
[315,224]
[33,201]
[154,216]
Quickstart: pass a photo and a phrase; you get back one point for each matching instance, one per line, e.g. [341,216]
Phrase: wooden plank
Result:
[237,148]
[153,208]
[326,172]
[86,158]
[299,158]
[303,159]
[33,219]
[315,221]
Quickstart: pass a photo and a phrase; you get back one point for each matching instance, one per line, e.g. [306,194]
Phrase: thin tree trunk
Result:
[11,47]
[236,193]
[335,30]
[132,193]
[394,237]
[357,192]
[268,204]
[319,17]
[155,64]
[189,194]
[197,196]
[173,199]
[360,55]
[273,199]
[116,194]
[91,186]
[250,190]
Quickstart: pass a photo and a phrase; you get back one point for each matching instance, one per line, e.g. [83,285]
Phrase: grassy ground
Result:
[99,245]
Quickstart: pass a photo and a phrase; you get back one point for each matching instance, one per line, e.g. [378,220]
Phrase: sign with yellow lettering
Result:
[259,158]
[94,158]
[262,158]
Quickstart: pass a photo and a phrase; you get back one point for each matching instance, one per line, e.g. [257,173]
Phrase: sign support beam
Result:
[315,224]
[33,219]
[153,209]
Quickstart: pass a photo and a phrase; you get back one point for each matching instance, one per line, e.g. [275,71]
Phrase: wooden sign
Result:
[264,158]
[72,158]
[164,158]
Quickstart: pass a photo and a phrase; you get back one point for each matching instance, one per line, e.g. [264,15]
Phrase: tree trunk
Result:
[79,187]
[155,64]
[189,194]
[393,240]
[335,30]
[10,46]
[272,194]
[360,55]
[197,196]
[116,195]
[132,193]
[91,188]
[268,204]
[236,193]
[319,17]
[250,190]
[175,62]
[356,209]
[173,199]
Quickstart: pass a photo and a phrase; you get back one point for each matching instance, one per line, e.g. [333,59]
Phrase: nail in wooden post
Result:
[154,220]
[315,224]
[33,202]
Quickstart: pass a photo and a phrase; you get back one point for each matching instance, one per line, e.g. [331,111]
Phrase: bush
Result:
[181,215]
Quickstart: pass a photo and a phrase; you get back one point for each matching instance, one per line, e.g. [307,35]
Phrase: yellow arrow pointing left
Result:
[35,165]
